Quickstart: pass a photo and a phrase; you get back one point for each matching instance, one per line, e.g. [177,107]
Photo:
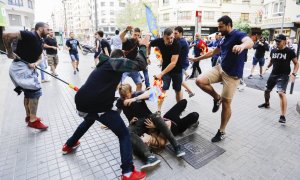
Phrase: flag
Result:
[203,46]
[152,23]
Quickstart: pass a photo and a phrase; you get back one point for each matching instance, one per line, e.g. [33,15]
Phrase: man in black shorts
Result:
[171,64]
[281,58]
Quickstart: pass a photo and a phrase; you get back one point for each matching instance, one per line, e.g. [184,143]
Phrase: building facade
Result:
[272,19]
[173,13]
[19,14]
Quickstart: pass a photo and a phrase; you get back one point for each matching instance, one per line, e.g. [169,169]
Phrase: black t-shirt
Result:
[260,49]
[167,51]
[137,109]
[105,44]
[72,43]
[131,48]
[30,47]
[282,61]
[51,42]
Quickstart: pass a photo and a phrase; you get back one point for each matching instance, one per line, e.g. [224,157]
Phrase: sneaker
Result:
[218,137]
[135,175]
[147,88]
[179,152]
[261,77]
[74,72]
[217,104]
[67,149]
[27,119]
[45,80]
[191,95]
[77,69]
[264,105]
[282,119]
[37,124]
[152,161]
[250,76]
[242,87]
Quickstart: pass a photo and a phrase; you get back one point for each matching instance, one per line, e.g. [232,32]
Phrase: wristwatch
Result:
[294,74]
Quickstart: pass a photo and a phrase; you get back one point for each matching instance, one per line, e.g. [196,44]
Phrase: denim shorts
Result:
[281,82]
[32,94]
[256,60]
[135,75]
[176,81]
[74,57]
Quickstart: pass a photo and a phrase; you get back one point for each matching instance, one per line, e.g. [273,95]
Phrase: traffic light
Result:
[298,2]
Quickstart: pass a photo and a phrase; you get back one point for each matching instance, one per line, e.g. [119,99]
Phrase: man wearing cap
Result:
[281,58]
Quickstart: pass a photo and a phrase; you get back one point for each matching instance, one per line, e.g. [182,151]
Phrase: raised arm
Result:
[8,38]
[123,34]
[247,43]
[207,55]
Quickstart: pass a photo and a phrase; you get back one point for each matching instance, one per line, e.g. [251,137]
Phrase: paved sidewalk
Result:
[257,146]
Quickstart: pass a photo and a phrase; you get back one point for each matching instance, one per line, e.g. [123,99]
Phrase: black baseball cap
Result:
[280,37]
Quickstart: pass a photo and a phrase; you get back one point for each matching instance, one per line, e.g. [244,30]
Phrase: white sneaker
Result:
[242,87]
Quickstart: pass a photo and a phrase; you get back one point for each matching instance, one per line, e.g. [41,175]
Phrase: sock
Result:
[127,174]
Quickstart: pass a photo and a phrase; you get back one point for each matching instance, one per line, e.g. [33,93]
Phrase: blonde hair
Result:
[124,89]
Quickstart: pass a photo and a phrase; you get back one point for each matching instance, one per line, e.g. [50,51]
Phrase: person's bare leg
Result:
[252,70]
[96,61]
[26,101]
[77,63]
[260,70]
[33,105]
[74,65]
[225,114]
[184,84]
[283,103]
[204,84]
[139,86]
[178,95]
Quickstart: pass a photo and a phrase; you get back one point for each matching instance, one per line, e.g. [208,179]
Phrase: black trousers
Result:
[196,67]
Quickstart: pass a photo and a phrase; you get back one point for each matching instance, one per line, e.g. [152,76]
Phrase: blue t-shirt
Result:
[232,64]
[197,51]
[214,44]
[72,44]
[184,52]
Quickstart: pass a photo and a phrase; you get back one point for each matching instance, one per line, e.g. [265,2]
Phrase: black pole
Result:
[96,16]
[298,48]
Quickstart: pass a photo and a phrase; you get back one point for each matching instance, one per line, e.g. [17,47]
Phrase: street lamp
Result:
[282,21]
[65,28]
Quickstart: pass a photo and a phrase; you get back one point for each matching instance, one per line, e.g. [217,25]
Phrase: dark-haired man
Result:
[171,64]
[213,44]
[23,75]
[105,46]
[51,47]
[281,58]
[116,42]
[232,48]
[72,45]
[94,101]
[130,47]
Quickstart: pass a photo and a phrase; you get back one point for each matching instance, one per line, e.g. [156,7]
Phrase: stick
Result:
[69,84]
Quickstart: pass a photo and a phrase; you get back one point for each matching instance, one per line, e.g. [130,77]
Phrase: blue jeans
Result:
[146,76]
[115,123]
[43,66]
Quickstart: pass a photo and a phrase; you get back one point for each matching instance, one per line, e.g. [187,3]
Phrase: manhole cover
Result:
[199,151]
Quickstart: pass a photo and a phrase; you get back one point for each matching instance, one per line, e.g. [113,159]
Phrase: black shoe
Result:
[152,161]
[282,119]
[264,105]
[217,104]
[77,69]
[195,125]
[218,137]
[179,152]
[261,77]
[250,76]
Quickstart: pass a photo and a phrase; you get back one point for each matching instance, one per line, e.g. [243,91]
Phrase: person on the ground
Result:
[183,55]
[232,48]
[281,58]
[142,122]
[171,64]
[213,44]
[29,49]
[200,47]
[94,101]
[72,45]
[116,42]
[130,47]
[51,47]
[259,57]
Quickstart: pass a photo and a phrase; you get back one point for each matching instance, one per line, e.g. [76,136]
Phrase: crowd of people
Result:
[127,56]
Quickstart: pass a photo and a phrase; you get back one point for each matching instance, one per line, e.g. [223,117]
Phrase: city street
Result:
[256,147]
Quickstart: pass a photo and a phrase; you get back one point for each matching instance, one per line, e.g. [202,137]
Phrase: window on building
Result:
[184,15]
[166,16]
[15,20]
[121,4]
[103,13]
[245,17]
[226,14]
[246,1]
[208,15]
[103,20]
[278,8]
[27,22]
[102,3]
[112,29]
[112,21]
[226,1]
[112,12]
[111,3]
[15,2]
[105,29]
[30,4]
[165,2]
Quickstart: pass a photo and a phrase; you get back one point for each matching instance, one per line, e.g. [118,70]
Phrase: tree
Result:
[242,26]
[266,33]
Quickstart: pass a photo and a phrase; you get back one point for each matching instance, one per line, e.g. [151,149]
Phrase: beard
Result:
[43,34]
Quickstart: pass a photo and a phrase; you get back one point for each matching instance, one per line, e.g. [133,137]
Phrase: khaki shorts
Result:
[230,83]
[52,59]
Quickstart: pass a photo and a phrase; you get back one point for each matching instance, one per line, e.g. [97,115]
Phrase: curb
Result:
[298,107]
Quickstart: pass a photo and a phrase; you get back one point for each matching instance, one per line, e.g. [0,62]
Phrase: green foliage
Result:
[242,26]
[266,33]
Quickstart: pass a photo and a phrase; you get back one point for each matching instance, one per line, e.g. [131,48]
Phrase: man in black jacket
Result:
[94,101]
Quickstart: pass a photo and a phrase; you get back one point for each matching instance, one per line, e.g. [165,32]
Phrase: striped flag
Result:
[152,23]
